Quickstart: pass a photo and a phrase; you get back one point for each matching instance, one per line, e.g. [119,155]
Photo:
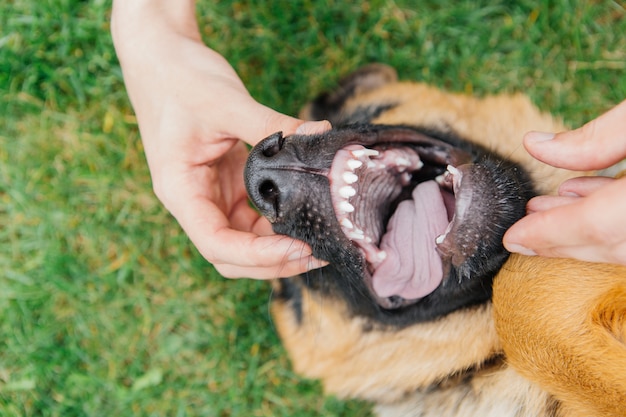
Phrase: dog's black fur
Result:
[286,179]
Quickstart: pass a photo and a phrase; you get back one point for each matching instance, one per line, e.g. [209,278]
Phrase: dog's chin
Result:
[419,214]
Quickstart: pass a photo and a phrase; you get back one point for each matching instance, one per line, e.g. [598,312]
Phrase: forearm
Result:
[139,24]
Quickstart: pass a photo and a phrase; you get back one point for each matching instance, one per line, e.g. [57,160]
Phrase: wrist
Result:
[138,24]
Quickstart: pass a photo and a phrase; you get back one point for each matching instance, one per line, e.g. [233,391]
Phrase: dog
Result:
[421,310]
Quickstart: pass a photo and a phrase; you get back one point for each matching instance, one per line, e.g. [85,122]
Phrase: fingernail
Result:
[310,128]
[514,247]
[539,136]
[568,194]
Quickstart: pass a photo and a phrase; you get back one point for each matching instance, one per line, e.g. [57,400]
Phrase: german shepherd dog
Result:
[421,310]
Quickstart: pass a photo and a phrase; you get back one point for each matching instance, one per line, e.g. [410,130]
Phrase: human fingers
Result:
[583,186]
[599,144]
[613,254]
[569,192]
[312,128]
[547,202]
[594,221]
[547,231]
[256,122]
[213,235]
[282,270]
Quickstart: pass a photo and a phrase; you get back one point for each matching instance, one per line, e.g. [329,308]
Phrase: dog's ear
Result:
[329,105]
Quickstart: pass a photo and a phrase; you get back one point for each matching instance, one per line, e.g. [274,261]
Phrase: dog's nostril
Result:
[269,191]
[273,145]
[271,151]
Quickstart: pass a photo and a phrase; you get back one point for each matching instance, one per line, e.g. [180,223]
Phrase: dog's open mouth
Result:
[418,213]
[401,204]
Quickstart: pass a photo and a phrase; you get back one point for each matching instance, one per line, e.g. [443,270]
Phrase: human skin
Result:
[195,117]
[586,219]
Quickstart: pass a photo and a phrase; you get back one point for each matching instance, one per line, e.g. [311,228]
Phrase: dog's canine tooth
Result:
[354,164]
[347,192]
[359,153]
[346,207]
[452,170]
[349,177]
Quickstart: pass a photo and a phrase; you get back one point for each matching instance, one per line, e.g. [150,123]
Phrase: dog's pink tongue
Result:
[413,268]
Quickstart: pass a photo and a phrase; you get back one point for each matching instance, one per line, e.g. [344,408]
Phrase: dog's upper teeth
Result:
[354,164]
[350,178]
[355,235]
[359,153]
[347,191]
[346,207]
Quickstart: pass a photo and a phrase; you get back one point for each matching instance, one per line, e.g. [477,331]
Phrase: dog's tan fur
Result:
[563,325]
[381,364]
[560,323]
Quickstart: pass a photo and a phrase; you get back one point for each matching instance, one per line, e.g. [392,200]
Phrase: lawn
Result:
[106,309]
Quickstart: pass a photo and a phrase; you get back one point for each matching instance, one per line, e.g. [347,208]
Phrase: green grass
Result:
[105,307]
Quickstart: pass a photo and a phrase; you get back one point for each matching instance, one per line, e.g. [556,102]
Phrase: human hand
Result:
[193,113]
[587,219]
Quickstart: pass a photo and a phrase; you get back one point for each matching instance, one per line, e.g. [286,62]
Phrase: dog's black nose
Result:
[286,177]
[267,176]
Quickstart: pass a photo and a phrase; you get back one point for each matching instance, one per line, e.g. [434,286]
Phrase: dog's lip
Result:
[353,161]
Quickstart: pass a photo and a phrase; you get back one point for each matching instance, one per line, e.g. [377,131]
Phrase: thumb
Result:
[598,144]
[312,128]
[259,121]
